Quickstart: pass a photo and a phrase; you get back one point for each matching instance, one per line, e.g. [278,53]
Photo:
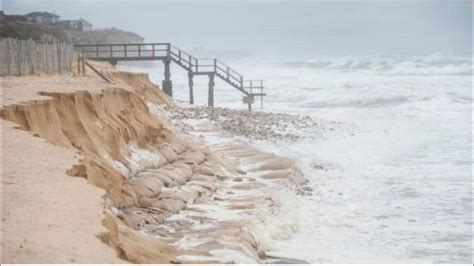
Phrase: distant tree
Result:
[20,27]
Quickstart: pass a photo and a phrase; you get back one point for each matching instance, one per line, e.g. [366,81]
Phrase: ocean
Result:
[392,181]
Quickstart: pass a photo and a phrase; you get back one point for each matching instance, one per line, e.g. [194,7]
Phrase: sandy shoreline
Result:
[169,197]
[45,216]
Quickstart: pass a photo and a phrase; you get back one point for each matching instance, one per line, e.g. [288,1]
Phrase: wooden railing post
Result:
[215,65]
[139,50]
[97,51]
[125,50]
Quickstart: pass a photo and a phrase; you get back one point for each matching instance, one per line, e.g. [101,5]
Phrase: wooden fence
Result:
[26,57]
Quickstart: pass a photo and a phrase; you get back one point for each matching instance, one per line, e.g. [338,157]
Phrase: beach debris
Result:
[256,125]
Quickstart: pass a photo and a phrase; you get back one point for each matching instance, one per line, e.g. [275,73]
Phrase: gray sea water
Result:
[393,182]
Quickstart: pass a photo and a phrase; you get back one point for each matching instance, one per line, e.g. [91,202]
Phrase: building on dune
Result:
[44,17]
[86,25]
[80,24]
[53,19]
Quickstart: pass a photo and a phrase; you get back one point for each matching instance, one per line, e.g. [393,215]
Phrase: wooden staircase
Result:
[169,53]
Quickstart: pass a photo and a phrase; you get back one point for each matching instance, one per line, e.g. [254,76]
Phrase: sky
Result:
[281,28]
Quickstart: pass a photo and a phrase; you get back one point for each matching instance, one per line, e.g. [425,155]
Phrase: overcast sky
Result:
[309,28]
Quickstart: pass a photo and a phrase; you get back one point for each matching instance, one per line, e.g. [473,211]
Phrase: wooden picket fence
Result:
[27,57]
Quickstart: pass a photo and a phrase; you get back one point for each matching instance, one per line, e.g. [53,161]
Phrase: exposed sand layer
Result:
[168,197]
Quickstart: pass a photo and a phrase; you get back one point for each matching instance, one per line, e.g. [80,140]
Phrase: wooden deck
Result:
[168,53]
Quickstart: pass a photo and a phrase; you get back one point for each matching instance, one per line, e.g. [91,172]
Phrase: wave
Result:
[371,103]
[434,64]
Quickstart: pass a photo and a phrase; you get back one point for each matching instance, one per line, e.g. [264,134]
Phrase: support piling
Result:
[166,83]
[191,83]
[210,99]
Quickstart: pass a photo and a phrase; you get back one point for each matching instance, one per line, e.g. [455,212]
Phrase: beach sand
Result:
[46,217]
[90,167]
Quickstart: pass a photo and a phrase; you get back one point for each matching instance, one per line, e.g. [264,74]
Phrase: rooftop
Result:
[45,14]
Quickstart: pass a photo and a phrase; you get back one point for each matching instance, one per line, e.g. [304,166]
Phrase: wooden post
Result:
[78,63]
[166,83]
[210,98]
[191,83]
[58,51]
[98,72]
[251,96]
[83,64]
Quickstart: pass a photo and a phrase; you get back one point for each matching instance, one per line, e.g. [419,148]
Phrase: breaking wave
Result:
[434,64]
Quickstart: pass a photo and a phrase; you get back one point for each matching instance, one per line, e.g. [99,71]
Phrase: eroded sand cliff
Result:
[167,196]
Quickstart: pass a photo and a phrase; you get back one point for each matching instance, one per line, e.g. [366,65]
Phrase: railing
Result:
[162,51]
[124,51]
[228,73]
[252,85]
[181,57]
[204,65]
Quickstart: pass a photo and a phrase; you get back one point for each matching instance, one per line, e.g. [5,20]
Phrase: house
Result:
[69,24]
[86,25]
[80,24]
[44,17]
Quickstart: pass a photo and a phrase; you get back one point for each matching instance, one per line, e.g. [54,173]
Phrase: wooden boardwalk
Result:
[168,53]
